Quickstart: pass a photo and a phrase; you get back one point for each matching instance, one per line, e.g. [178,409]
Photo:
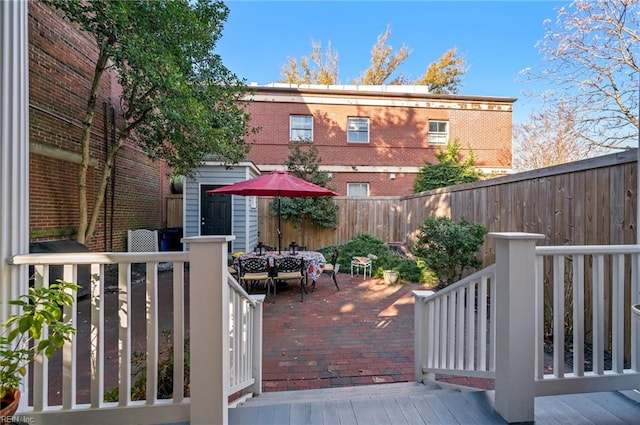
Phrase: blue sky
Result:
[496,38]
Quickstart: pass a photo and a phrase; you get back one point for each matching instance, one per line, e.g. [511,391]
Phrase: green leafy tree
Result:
[303,162]
[449,248]
[449,171]
[178,102]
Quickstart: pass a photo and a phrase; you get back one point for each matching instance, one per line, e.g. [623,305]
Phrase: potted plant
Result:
[22,338]
[390,276]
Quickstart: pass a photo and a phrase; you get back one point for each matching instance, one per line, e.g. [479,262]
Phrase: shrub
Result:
[364,244]
[449,248]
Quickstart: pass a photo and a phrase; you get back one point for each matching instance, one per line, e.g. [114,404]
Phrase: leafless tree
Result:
[444,75]
[313,69]
[591,60]
[383,62]
[549,137]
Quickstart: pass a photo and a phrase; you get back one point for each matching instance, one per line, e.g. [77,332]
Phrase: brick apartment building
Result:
[374,139]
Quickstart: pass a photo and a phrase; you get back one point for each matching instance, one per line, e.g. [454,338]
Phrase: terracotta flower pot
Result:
[10,404]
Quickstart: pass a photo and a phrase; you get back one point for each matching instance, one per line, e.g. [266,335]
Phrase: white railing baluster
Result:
[241,338]
[598,315]
[482,326]
[492,320]
[97,334]
[246,356]
[435,326]
[256,343]
[578,315]
[41,364]
[617,313]
[539,317]
[451,331]
[151,313]
[443,331]
[124,333]
[460,327]
[471,327]
[69,350]
[431,350]
[233,342]
[178,331]
[558,315]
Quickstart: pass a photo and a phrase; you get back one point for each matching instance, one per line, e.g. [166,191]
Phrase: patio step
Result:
[353,393]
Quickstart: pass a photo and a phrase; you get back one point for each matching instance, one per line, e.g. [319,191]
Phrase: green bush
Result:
[386,259]
[449,248]
[450,170]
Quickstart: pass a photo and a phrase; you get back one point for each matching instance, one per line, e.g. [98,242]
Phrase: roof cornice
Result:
[384,91]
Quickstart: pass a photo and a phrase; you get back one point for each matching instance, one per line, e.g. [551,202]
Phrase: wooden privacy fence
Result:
[586,202]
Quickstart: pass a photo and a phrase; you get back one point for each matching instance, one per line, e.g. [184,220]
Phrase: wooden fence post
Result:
[209,329]
[515,325]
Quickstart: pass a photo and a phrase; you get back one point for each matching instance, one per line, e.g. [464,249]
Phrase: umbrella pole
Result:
[279,232]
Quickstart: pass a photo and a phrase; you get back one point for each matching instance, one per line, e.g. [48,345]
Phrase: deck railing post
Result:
[256,344]
[209,329]
[515,325]
[420,327]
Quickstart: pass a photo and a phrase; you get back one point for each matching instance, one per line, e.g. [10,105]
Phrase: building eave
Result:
[382,91]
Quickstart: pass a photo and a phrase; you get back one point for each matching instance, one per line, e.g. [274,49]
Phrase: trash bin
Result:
[170,239]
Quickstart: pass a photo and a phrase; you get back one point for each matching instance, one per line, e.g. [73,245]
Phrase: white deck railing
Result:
[455,328]
[601,281]
[503,334]
[134,324]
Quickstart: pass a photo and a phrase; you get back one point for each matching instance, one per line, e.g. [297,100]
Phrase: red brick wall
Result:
[61,61]
[398,138]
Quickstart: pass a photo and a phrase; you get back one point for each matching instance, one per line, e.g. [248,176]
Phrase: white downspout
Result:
[14,146]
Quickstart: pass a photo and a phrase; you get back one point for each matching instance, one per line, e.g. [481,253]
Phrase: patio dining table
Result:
[314,261]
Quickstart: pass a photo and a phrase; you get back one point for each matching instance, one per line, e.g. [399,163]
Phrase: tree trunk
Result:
[87,122]
[104,180]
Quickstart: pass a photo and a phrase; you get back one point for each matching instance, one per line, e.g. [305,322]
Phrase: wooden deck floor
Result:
[415,408]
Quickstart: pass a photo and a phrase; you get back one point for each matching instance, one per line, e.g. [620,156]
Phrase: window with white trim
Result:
[438,132]
[301,128]
[358,189]
[357,130]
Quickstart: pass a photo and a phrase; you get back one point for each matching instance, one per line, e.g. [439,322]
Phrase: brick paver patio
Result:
[362,334]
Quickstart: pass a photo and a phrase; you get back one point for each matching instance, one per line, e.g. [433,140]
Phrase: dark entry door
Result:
[215,212]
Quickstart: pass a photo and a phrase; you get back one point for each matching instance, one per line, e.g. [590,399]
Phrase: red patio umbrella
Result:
[276,183]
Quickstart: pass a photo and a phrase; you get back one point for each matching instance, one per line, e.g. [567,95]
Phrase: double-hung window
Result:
[358,130]
[438,132]
[301,128]
[358,189]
